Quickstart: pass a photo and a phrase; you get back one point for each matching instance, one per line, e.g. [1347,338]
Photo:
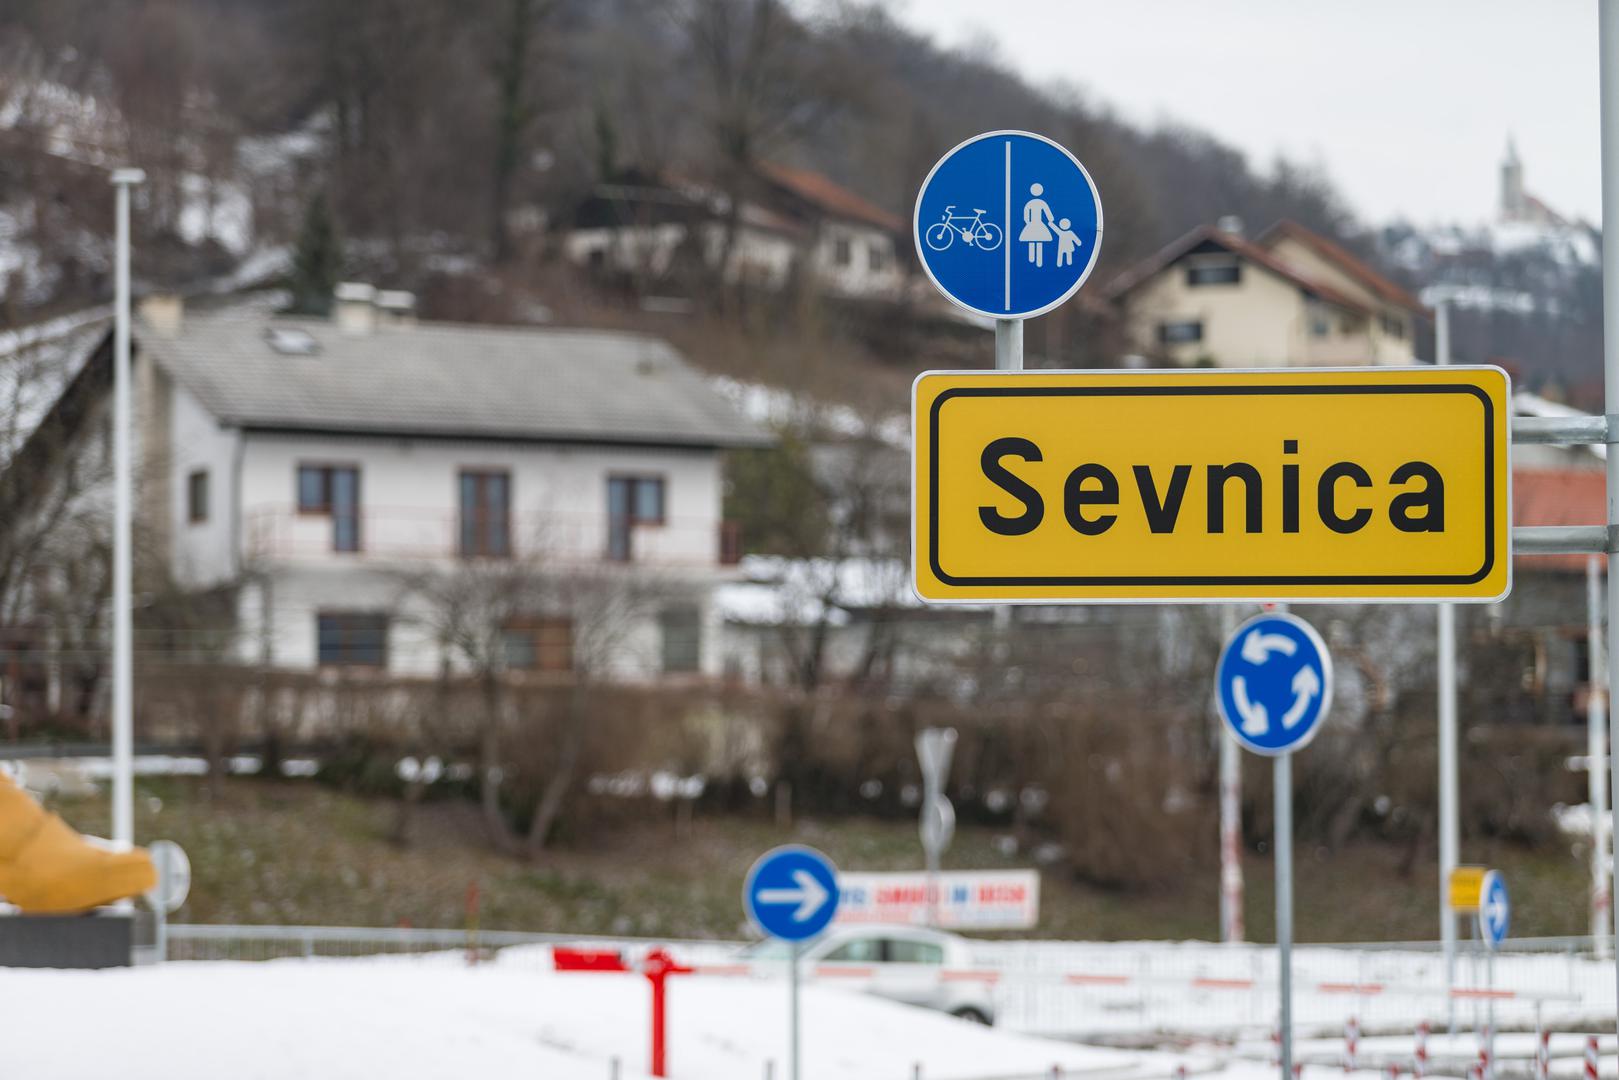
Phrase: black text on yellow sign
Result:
[1357,484]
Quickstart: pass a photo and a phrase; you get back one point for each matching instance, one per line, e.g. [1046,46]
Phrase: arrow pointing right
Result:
[809,896]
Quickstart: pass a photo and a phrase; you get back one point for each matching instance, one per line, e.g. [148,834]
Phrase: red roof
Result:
[832,198]
[1355,268]
[1235,244]
[1558,497]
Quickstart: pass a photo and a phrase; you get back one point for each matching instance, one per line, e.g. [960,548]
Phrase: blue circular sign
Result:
[1494,909]
[1008,224]
[791,892]
[1274,684]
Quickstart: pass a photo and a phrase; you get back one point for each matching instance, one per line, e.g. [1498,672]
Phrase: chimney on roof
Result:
[163,313]
[354,308]
[1230,223]
[396,307]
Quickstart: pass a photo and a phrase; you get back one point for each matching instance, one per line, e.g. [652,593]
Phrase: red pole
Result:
[658,966]
[658,978]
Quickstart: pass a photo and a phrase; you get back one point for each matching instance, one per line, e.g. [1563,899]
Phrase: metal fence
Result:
[1078,989]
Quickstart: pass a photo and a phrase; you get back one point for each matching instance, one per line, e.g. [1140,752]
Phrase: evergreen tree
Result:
[318,261]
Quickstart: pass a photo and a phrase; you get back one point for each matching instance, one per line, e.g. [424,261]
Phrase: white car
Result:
[901,963]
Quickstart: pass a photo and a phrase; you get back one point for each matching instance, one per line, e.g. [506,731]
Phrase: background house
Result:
[1291,298]
[793,221]
[370,493]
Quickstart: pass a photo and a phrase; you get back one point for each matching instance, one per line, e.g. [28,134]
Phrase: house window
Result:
[1213,273]
[681,630]
[352,639]
[842,251]
[631,501]
[197,496]
[333,490]
[876,258]
[486,500]
[1180,333]
[1392,326]
[1320,321]
[538,644]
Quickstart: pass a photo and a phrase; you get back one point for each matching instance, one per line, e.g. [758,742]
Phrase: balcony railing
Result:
[281,532]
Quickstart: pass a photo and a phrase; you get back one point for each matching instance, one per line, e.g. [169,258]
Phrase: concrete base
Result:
[99,940]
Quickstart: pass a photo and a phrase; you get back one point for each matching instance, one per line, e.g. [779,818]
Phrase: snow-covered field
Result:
[412,1019]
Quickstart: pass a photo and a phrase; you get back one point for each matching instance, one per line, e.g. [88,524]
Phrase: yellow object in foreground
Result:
[1466,885]
[47,868]
[1290,484]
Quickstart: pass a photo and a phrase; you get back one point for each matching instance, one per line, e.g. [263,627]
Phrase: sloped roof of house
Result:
[1558,497]
[1208,234]
[450,380]
[1335,253]
[830,198]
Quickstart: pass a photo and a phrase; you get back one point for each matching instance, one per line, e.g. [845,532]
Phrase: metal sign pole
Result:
[1596,752]
[1283,782]
[792,1024]
[123,736]
[1231,921]
[1449,827]
[1008,344]
[1608,17]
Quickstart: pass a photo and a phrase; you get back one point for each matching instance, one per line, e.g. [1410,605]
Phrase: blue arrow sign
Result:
[1008,224]
[1494,909]
[1274,684]
[791,892]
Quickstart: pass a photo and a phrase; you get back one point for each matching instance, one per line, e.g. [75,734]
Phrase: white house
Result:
[339,478]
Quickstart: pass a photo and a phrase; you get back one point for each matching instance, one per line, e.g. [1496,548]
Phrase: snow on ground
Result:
[420,1018]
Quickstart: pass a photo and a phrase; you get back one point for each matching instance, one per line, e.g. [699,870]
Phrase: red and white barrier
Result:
[1543,1053]
[1419,1058]
[1486,1042]
[1351,1044]
[1591,1058]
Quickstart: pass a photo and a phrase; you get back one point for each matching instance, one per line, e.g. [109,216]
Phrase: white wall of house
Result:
[856,260]
[1390,337]
[410,501]
[203,551]
[410,523]
[1257,322]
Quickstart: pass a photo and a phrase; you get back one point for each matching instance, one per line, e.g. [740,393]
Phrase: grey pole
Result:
[1283,782]
[1596,752]
[123,710]
[792,1029]
[1008,344]
[1608,18]
[1449,827]
[1231,921]
[1008,357]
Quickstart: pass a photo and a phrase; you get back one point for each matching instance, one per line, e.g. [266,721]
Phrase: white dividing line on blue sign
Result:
[1056,233]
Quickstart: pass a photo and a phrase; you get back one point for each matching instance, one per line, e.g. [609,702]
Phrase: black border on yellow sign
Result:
[1115,390]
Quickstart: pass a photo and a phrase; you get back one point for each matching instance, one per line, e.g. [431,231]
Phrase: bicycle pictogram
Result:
[974,231]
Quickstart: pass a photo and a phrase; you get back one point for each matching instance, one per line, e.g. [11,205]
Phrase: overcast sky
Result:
[1406,103]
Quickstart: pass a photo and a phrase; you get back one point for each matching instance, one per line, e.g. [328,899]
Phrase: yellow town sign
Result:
[1354,484]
